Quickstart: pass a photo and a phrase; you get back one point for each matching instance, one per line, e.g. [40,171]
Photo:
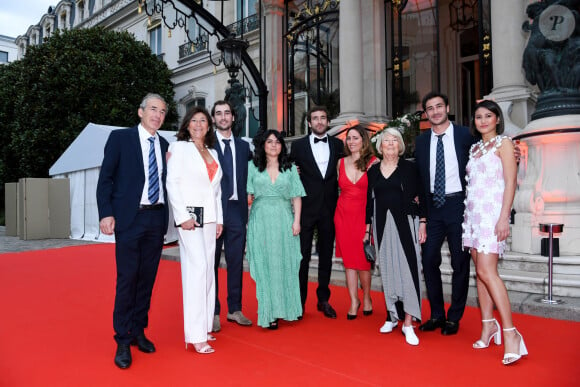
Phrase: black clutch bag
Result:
[370,252]
[196,214]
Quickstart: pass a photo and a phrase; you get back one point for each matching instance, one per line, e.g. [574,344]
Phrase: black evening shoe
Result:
[367,312]
[432,324]
[273,325]
[144,344]
[350,316]
[326,309]
[123,356]
[450,328]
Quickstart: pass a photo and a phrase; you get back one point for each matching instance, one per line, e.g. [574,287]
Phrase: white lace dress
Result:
[485,187]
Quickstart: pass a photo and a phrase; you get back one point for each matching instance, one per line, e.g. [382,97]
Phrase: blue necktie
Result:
[153,191]
[439,187]
[228,167]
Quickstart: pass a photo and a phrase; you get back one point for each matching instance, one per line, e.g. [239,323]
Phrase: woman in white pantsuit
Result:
[193,180]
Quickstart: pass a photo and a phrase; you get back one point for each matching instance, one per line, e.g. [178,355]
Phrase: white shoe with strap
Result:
[480,344]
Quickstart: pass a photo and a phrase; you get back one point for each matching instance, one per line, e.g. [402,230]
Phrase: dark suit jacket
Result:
[463,141]
[243,155]
[321,191]
[122,177]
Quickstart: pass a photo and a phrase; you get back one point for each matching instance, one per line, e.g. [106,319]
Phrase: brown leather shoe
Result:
[216,326]
[239,318]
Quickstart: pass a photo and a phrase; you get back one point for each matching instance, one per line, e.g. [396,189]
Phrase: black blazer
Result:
[243,155]
[122,177]
[463,141]
[411,188]
[321,191]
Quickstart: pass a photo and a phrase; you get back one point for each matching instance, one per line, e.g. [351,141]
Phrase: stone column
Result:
[273,29]
[374,62]
[350,61]
[510,89]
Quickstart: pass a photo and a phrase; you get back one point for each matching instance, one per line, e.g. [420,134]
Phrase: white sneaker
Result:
[388,327]
[410,336]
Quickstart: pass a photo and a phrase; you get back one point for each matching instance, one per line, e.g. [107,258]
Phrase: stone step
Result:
[526,287]
[532,263]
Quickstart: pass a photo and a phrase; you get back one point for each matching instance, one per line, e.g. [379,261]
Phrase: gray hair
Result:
[393,132]
[151,96]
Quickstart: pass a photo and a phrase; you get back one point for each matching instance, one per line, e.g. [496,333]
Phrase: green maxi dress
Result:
[271,250]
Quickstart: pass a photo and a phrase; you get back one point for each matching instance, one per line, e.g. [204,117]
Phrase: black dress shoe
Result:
[450,328]
[432,324]
[326,309]
[367,312]
[273,325]
[350,316]
[144,344]
[123,356]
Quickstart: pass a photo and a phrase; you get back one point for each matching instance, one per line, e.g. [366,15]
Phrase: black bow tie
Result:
[316,139]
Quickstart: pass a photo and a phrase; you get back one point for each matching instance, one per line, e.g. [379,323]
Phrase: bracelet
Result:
[423,221]
[367,232]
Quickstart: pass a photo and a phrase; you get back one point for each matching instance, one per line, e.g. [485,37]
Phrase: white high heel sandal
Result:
[480,344]
[510,358]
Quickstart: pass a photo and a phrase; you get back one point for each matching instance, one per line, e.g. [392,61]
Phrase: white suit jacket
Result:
[188,183]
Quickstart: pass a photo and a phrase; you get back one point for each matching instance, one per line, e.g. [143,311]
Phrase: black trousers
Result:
[233,240]
[445,222]
[325,246]
[138,251]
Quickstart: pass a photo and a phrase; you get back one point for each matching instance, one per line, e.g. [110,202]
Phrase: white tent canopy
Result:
[81,163]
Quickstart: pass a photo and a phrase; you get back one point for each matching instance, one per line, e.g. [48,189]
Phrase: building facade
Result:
[368,60]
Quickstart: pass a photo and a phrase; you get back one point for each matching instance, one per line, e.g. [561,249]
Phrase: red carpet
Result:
[56,330]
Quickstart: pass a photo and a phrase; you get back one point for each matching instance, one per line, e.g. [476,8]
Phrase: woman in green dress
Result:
[273,244]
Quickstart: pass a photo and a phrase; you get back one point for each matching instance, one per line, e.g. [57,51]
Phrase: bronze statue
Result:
[236,96]
[552,56]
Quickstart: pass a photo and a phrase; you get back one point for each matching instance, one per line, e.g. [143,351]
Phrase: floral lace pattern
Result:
[485,187]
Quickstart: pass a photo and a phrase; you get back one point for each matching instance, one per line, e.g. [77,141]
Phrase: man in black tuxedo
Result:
[131,198]
[445,209]
[234,162]
[316,157]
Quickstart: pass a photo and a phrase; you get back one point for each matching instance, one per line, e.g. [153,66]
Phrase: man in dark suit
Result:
[444,147]
[131,198]
[233,154]
[316,157]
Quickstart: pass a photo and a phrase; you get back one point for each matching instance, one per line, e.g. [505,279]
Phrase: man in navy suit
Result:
[235,210]
[131,198]
[444,218]
[316,157]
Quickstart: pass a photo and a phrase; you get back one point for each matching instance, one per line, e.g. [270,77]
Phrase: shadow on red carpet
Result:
[56,330]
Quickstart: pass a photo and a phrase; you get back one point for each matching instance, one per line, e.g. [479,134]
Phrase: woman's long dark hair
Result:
[492,107]
[260,152]
[366,152]
[183,132]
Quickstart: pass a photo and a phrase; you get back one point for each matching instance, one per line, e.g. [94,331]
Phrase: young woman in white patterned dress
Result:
[491,178]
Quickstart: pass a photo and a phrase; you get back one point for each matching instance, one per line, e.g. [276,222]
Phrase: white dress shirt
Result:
[452,180]
[144,136]
[321,152]
[220,137]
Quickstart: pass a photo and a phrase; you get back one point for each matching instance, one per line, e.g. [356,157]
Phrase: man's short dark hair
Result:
[434,94]
[222,102]
[317,108]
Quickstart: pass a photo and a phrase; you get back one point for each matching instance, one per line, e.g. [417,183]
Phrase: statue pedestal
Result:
[548,184]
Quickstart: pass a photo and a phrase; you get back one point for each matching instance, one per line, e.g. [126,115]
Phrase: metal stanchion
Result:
[550,228]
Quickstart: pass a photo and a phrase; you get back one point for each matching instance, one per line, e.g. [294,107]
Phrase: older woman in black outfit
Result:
[399,226]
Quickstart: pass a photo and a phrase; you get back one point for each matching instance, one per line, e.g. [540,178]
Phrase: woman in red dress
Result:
[349,218]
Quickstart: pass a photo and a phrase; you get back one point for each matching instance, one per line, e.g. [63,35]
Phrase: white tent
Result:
[81,163]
